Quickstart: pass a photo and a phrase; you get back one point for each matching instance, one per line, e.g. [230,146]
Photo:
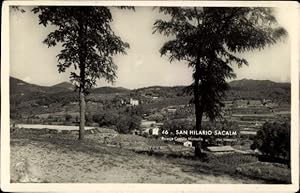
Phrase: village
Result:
[165,116]
[249,116]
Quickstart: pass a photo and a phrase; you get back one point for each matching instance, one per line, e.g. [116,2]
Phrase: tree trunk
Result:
[82,59]
[198,109]
[82,114]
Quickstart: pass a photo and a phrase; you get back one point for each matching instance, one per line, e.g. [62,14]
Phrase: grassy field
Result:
[60,158]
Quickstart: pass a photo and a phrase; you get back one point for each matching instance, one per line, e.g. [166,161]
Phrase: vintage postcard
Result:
[151,96]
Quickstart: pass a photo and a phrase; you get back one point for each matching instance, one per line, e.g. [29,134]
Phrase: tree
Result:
[273,139]
[17,8]
[207,39]
[88,44]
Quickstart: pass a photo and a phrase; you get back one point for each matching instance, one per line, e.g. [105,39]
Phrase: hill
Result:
[20,87]
[109,90]
[250,84]
[259,89]
[63,85]
[26,97]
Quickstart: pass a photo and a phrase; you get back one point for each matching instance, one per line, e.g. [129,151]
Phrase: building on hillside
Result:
[267,101]
[171,110]
[155,131]
[134,102]
[188,144]
[147,124]
[136,132]
[123,102]
[145,131]
[159,124]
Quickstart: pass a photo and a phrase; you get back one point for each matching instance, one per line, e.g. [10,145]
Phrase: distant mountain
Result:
[250,84]
[162,91]
[21,87]
[26,97]
[65,85]
[239,89]
[259,89]
[109,90]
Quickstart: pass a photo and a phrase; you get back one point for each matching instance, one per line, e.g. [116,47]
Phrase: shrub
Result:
[107,118]
[125,124]
[158,117]
[273,139]
[68,117]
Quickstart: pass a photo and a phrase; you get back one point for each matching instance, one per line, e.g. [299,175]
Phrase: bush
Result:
[273,139]
[68,117]
[107,118]
[177,124]
[125,124]
[158,117]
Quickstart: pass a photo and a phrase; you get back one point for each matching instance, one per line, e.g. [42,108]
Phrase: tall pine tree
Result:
[208,38]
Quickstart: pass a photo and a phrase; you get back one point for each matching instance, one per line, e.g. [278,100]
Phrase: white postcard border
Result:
[115,187]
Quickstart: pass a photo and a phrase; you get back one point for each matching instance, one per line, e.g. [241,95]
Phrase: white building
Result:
[155,131]
[188,144]
[134,102]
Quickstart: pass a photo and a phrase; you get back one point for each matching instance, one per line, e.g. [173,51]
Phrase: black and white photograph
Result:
[149,94]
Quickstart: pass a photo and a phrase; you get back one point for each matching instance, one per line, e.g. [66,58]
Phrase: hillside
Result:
[250,84]
[63,85]
[259,89]
[109,90]
[17,87]
[26,97]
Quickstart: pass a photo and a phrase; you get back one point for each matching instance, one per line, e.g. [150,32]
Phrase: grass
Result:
[61,158]
[265,170]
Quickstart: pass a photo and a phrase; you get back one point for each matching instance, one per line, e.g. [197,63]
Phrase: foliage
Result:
[158,117]
[107,118]
[68,117]
[273,139]
[87,39]
[207,39]
[126,123]
[17,8]
[123,122]
[183,112]
[88,45]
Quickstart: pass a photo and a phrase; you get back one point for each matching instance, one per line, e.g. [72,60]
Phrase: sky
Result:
[33,62]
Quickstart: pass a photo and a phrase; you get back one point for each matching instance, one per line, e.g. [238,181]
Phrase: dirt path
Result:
[43,161]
